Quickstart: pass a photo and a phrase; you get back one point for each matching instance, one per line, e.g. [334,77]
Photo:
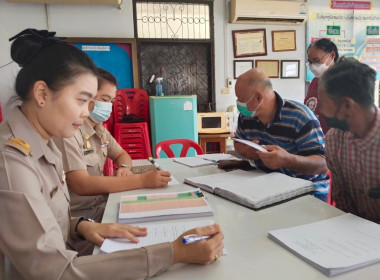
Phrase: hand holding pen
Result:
[158,177]
[192,238]
[205,245]
[152,161]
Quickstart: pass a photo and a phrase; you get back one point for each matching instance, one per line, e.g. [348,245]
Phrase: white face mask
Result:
[318,68]
[101,111]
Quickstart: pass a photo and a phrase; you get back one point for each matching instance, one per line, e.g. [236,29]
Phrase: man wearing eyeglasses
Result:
[287,129]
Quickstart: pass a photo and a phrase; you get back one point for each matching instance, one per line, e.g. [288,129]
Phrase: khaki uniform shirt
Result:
[88,149]
[35,220]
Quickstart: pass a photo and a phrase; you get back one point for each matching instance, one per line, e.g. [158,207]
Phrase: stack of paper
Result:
[163,206]
[335,245]
[253,189]
[206,159]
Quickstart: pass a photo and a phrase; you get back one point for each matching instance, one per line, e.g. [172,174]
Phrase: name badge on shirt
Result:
[88,151]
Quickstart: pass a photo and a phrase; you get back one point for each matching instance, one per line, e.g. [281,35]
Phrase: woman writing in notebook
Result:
[56,83]
[85,153]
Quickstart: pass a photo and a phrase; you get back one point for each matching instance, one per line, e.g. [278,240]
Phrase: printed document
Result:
[157,233]
[163,206]
[335,245]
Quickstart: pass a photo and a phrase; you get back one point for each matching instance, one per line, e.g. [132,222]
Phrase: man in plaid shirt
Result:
[346,93]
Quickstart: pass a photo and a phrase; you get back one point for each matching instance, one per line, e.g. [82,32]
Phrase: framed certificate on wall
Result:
[249,42]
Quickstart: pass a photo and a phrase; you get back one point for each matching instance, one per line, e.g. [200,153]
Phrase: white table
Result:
[251,254]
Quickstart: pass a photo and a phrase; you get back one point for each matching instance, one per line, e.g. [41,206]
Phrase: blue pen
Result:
[154,163]
[188,239]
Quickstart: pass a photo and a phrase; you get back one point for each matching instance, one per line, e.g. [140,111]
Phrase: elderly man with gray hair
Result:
[287,129]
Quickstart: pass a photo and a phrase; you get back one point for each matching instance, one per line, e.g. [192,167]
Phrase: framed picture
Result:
[242,66]
[116,55]
[284,40]
[270,67]
[249,42]
[290,69]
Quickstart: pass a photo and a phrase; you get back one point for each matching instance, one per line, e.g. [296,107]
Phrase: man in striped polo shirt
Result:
[353,143]
[287,129]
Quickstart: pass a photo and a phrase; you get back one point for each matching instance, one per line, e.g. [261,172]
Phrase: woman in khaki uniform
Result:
[55,83]
[84,156]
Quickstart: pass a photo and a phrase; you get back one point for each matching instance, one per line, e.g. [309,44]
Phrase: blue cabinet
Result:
[173,117]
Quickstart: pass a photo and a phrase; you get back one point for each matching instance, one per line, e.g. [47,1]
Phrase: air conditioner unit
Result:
[268,12]
[81,2]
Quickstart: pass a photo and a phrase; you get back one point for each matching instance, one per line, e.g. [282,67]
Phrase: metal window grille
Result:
[172,20]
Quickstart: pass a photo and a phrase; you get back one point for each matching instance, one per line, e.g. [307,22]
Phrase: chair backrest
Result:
[186,145]
[131,101]
[1,114]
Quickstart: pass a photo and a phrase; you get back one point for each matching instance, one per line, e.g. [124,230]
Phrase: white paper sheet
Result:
[334,245]
[157,233]
[251,144]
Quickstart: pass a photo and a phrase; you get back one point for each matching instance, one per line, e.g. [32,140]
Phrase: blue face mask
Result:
[242,108]
[101,112]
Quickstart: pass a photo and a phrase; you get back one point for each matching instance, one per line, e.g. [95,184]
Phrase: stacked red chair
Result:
[109,166]
[132,137]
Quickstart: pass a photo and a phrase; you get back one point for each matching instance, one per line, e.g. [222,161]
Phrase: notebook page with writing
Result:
[141,166]
[157,233]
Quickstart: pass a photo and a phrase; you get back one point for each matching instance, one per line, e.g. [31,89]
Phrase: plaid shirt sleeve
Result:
[339,193]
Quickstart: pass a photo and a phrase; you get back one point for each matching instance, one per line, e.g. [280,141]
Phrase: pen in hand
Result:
[188,239]
[154,163]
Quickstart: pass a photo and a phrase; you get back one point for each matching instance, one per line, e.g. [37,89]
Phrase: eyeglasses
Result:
[317,61]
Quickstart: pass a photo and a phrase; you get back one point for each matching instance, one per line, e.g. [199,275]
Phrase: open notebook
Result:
[335,245]
[253,189]
[141,166]
[163,206]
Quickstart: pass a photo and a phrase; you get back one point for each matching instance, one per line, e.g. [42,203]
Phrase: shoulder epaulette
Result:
[20,145]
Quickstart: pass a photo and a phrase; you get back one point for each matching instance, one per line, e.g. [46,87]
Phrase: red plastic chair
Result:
[133,137]
[1,115]
[186,145]
[131,101]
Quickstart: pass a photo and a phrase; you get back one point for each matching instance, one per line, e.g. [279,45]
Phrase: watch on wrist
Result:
[124,165]
[81,220]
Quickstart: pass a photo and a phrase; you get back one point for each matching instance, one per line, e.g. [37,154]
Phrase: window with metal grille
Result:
[172,20]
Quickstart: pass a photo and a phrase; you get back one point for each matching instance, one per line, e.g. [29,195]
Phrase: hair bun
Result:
[29,42]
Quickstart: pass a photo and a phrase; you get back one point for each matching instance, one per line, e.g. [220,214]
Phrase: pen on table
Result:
[154,163]
[188,239]
[212,160]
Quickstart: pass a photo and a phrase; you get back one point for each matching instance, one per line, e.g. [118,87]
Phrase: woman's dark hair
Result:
[325,45]
[104,76]
[44,57]
[350,78]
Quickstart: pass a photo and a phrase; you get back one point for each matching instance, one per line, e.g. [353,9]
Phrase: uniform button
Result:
[158,273]
[59,214]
